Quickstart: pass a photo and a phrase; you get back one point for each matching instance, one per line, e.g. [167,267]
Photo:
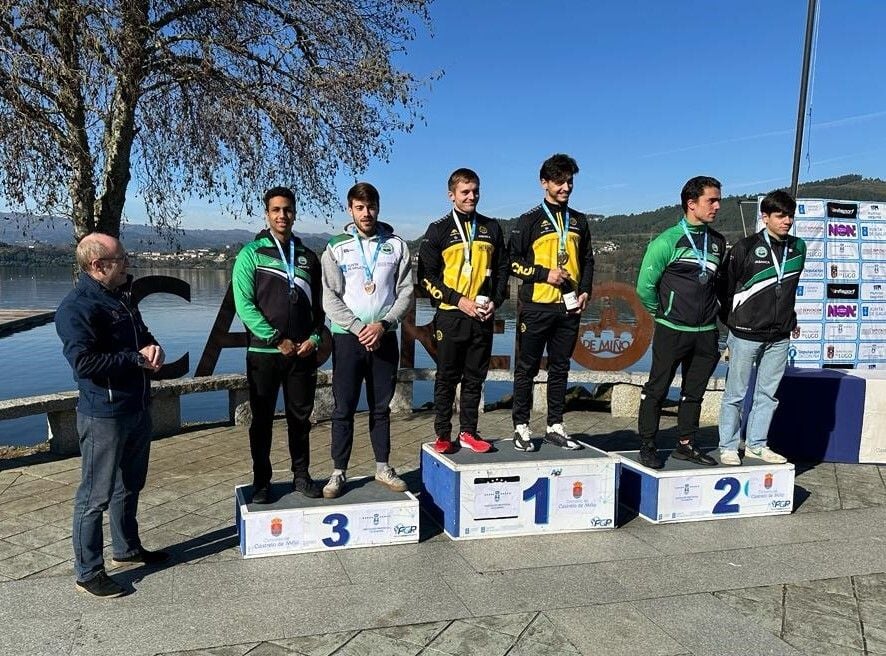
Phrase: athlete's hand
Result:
[286,347]
[582,303]
[557,276]
[305,348]
[370,335]
[153,356]
[469,307]
[487,311]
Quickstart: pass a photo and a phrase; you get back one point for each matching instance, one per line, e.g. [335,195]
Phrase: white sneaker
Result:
[729,457]
[335,486]
[523,438]
[388,477]
[765,454]
[558,436]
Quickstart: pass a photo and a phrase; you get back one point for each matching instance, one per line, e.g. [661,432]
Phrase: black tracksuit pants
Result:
[463,349]
[697,354]
[539,329]
[351,365]
[265,373]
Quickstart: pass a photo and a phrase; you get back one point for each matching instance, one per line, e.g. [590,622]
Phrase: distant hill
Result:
[55,231]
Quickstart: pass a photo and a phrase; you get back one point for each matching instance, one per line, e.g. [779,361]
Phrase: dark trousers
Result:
[697,354]
[351,365]
[558,332]
[265,373]
[463,349]
[114,466]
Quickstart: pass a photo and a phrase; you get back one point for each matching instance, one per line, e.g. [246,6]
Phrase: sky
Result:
[643,93]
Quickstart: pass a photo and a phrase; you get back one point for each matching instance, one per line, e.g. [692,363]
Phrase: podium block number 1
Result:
[540,491]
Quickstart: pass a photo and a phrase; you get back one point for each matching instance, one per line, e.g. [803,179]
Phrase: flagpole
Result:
[804,87]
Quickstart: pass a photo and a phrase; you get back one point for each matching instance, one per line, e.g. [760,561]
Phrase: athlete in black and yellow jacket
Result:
[550,251]
[463,265]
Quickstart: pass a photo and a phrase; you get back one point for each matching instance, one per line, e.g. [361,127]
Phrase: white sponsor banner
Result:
[841,250]
[810,229]
[809,311]
[872,211]
[873,270]
[873,251]
[873,230]
[873,291]
[842,230]
[810,208]
[869,331]
[840,351]
[496,498]
[815,249]
[871,351]
[811,291]
[840,330]
[802,352]
[842,271]
[873,311]
[813,270]
[806,332]
[872,447]
[758,491]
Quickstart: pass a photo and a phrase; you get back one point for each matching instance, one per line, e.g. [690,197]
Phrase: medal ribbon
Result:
[560,226]
[779,270]
[367,269]
[466,240]
[700,255]
[290,264]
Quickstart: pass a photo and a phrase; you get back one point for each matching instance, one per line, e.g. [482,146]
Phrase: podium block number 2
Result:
[340,532]
[732,487]
[540,491]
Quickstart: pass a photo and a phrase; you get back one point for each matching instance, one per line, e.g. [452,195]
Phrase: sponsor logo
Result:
[840,351]
[873,331]
[873,291]
[842,210]
[871,210]
[777,504]
[874,271]
[403,529]
[276,526]
[873,231]
[556,472]
[810,208]
[599,522]
[811,290]
[813,271]
[573,223]
[840,330]
[577,490]
[767,480]
[807,332]
[838,290]
[842,310]
[805,352]
[522,327]
[873,251]
[843,230]
[841,250]
[843,271]
[483,230]
[761,251]
[810,311]
[809,229]
[873,311]
[871,351]
[715,249]
[815,249]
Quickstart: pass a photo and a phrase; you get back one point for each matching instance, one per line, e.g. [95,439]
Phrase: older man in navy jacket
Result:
[111,352]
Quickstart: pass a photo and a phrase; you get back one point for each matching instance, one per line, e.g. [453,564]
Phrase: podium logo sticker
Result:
[410,529]
[276,526]
[842,210]
[577,490]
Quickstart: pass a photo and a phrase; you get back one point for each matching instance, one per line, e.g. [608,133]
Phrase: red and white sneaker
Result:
[473,442]
[445,445]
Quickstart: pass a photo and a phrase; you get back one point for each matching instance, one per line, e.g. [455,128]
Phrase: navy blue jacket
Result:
[102,336]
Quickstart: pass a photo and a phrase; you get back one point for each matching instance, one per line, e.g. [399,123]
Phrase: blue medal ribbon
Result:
[466,240]
[289,264]
[779,270]
[701,255]
[368,269]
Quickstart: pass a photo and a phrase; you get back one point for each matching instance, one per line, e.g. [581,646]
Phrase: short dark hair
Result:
[694,188]
[365,192]
[274,192]
[462,175]
[558,168]
[778,202]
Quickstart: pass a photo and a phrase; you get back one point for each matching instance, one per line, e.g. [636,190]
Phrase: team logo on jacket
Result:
[483,230]
[522,327]
[439,335]
[302,260]
[387,249]
[715,249]
[760,251]
[572,221]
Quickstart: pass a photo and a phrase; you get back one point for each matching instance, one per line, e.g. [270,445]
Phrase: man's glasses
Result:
[119,258]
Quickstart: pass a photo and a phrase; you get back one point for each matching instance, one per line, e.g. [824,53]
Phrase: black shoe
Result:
[143,557]
[690,453]
[306,487]
[101,585]
[649,457]
[261,495]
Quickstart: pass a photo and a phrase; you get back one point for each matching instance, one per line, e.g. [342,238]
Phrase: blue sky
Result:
[643,93]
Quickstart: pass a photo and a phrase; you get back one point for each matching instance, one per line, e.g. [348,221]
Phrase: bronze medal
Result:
[369,287]
[562,257]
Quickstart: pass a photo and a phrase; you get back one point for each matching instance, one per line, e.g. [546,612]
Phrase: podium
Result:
[507,492]
[367,514]
[685,491]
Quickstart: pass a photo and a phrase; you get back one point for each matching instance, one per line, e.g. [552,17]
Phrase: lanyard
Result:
[779,270]
[701,255]
[559,226]
[466,240]
[290,264]
[367,269]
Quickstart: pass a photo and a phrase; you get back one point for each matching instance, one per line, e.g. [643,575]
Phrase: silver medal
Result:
[703,277]
[562,257]
[369,287]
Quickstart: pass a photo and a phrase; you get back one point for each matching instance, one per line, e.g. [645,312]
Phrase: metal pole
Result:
[804,86]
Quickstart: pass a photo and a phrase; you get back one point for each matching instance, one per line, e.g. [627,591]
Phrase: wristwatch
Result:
[386,325]
[141,360]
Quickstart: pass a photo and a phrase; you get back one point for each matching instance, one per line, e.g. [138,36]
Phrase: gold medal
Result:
[369,287]
[562,257]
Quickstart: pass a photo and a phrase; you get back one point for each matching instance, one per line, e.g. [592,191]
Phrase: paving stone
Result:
[872,613]
[513,624]
[9,549]
[192,525]
[822,627]
[621,627]
[27,563]
[839,586]
[804,598]
[316,645]
[875,639]
[269,649]
[368,643]
[767,615]
[44,636]
[17,524]
[40,536]
[463,639]
[391,563]
[543,631]
[416,634]
[811,647]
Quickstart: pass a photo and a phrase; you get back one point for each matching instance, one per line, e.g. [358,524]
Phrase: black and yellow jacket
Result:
[533,247]
[441,256]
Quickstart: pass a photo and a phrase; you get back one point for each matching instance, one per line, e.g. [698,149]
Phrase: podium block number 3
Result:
[340,532]
[732,487]
[540,491]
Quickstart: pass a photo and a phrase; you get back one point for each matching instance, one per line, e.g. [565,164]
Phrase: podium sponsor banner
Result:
[842,251]
[805,332]
[873,270]
[873,311]
[810,208]
[873,230]
[875,211]
[811,291]
[810,229]
[814,270]
[840,330]
[873,291]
